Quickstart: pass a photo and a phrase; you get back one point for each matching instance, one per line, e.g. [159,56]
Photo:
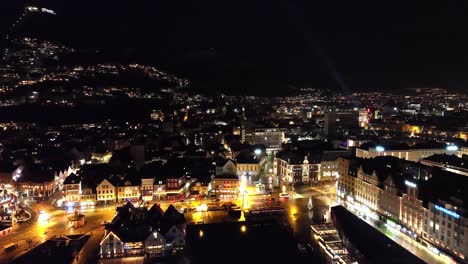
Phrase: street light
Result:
[243,229]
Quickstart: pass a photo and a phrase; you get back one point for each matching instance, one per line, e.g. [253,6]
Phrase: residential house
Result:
[106,190]
[129,189]
[225,166]
[72,189]
[111,246]
[248,165]
[88,196]
[155,245]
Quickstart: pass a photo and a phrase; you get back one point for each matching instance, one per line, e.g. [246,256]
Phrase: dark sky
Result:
[254,46]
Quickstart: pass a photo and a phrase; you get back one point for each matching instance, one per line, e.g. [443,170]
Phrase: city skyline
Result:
[211,132]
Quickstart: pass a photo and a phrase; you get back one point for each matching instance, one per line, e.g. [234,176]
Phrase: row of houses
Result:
[428,203]
[136,231]
[99,183]
[34,180]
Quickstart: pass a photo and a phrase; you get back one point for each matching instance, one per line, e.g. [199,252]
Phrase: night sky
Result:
[254,46]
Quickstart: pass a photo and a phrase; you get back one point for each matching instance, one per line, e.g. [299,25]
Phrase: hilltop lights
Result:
[380,148]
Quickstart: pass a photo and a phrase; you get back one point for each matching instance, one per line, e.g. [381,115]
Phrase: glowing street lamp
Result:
[243,229]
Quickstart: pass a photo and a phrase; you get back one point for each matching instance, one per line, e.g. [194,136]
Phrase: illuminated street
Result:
[39,231]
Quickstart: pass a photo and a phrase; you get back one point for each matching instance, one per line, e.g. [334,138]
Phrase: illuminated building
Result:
[111,246]
[446,226]
[403,151]
[106,191]
[346,180]
[88,196]
[354,142]
[155,245]
[225,186]
[72,189]
[412,129]
[147,188]
[225,166]
[272,138]
[33,181]
[248,165]
[412,208]
[367,189]
[201,187]
[128,189]
[103,157]
[295,167]
[462,151]
[329,165]
[463,135]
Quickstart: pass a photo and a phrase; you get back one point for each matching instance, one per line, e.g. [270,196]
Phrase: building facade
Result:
[406,154]
[447,228]
[292,171]
[225,186]
[272,138]
[106,192]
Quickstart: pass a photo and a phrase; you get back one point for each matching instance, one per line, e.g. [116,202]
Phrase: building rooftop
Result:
[451,160]
[373,245]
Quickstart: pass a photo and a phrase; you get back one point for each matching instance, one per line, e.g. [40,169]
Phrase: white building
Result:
[407,153]
[111,246]
[106,192]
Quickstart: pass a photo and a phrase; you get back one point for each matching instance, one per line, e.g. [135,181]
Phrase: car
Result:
[284,195]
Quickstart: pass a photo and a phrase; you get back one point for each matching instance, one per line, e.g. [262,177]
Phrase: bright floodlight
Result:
[380,148]
[452,148]
[258,151]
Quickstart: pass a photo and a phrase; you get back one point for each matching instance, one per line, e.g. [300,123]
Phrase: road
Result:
[39,231]
[403,240]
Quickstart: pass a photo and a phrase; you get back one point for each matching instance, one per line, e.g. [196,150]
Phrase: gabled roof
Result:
[171,217]
[297,156]
[220,162]
[72,179]
[247,158]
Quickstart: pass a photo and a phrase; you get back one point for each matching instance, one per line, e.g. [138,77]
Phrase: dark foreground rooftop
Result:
[260,242]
